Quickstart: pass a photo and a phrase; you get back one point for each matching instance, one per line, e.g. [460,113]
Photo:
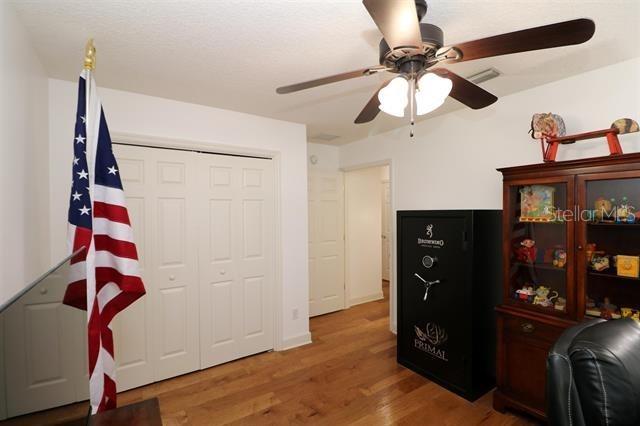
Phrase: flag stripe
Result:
[111,212]
[118,248]
[119,231]
[106,194]
[121,264]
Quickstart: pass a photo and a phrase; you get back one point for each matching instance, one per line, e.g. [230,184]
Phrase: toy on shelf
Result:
[561,304]
[626,312]
[590,250]
[526,294]
[527,252]
[627,266]
[549,129]
[603,209]
[559,258]
[624,210]
[600,262]
[608,310]
[542,296]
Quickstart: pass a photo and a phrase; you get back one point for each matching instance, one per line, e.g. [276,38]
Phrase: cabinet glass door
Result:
[539,240]
[609,239]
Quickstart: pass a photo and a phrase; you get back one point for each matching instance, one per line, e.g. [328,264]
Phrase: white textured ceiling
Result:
[233,54]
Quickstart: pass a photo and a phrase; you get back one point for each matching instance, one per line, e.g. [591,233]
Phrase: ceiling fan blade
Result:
[327,80]
[545,37]
[465,91]
[397,20]
[371,109]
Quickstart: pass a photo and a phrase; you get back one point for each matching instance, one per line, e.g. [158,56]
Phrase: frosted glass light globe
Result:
[431,93]
[394,97]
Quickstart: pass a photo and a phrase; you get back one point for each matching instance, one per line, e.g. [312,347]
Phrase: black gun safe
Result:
[449,282]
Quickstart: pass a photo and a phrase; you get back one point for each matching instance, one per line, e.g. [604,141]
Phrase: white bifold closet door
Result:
[157,337]
[204,228]
[235,214]
[326,242]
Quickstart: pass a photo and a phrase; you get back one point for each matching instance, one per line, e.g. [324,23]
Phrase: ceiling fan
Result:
[412,49]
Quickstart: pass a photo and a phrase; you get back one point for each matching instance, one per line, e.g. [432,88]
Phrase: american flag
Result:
[104,277]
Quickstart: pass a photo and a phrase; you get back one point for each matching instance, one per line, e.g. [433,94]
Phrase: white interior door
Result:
[326,242]
[174,190]
[157,337]
[236,226]
[386,231]
[41,349]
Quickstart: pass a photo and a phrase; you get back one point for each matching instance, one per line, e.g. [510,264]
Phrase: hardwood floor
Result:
[348,375]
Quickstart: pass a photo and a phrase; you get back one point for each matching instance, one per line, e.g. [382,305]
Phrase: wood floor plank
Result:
[348,375]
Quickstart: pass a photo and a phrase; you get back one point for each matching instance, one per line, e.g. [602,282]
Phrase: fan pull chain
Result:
[412,105]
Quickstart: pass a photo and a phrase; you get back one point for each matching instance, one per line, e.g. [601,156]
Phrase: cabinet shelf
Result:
[611,275]
[614,225]
[541,266]
[538,308]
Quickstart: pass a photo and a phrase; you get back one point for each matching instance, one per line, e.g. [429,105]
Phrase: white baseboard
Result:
[295,341]
[365,299]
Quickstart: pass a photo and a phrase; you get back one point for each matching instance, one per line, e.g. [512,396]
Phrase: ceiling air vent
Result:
[324,137]
[482,76]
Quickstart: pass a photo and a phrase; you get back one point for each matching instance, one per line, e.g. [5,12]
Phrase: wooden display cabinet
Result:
[553,204]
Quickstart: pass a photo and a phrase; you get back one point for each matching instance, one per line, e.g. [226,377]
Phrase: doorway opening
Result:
[368,236]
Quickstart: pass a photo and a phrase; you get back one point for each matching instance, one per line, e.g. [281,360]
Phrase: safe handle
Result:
[427,285]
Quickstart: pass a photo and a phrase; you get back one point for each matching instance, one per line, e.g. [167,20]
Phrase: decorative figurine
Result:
[603,209]
[623,210]
[608,305]
[542,298]
[636,316]
[527,251]
[590,250]
[626,312]
[600,262]
[589,303]
[526,294]
[559,258]
[631,218]
[561,304]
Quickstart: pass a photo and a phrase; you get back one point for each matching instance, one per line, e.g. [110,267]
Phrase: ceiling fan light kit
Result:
[432,92]
[412,49]
[394,98]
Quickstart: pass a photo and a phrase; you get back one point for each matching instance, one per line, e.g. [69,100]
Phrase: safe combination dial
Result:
[428,261]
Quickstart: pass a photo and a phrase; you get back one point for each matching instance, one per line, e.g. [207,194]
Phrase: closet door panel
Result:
[236,258]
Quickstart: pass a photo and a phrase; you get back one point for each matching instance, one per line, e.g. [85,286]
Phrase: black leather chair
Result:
[593,375]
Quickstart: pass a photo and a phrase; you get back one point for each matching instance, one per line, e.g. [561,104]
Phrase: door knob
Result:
[222,272]
[172,277]
[43,290]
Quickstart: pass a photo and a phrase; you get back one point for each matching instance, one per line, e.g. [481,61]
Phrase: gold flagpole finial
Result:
[90,56]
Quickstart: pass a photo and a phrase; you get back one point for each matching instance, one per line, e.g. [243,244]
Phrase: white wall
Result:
[327,157]
[23,158]
[451,162]
[363,227]
[130,113]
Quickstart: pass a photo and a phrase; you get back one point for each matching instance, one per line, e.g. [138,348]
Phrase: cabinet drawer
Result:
[526,328]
